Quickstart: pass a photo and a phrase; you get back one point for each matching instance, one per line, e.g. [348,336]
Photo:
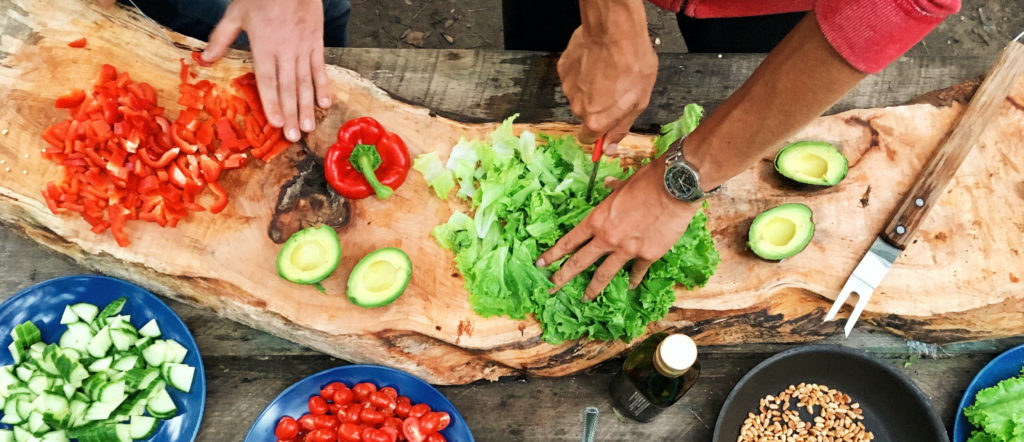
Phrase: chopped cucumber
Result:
[68,316]
[151,329]
[142,427]
[161,405]
[96,383]
[85,311]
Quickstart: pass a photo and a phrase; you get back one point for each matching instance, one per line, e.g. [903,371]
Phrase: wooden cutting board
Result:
[960,280]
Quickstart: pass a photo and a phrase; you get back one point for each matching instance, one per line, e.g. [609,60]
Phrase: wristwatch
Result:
[681,178]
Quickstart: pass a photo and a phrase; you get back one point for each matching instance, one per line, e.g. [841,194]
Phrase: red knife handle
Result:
[598,150]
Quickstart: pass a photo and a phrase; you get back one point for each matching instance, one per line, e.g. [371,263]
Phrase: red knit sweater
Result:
[869,34]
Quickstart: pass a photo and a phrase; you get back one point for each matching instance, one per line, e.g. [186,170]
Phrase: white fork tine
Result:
[857,309]
[840,300]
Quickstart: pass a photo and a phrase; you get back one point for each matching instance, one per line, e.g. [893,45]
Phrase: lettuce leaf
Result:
[437,177]
[999,412]
[526,192]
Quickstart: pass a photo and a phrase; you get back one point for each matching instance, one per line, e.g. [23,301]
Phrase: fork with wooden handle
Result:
[929,186]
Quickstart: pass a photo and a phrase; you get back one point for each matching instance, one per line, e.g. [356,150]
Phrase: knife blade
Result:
[596,158]
[157,27]
[930,183]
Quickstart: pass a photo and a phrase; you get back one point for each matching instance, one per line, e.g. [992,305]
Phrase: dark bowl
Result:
[894,407]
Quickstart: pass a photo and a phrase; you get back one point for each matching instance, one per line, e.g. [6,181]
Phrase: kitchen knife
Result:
[157,27]
[596,158]
[929,186]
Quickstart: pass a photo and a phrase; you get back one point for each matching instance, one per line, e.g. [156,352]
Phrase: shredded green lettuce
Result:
[437,177]
[675,130]
[999,412]
[525,192]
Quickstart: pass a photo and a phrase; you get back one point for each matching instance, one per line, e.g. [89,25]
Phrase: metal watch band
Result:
[681,179]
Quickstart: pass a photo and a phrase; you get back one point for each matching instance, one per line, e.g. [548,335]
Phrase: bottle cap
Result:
[676,354]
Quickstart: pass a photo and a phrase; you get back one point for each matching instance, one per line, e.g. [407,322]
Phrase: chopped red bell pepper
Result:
[71,99]
[198,57]
[366,159]
[80,43]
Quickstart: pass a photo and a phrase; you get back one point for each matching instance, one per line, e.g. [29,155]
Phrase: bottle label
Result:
[637,403]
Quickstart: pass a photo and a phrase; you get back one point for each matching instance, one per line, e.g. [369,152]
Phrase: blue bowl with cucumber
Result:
[94,358]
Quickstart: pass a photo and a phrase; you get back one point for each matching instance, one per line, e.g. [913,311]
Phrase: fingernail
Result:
[325,102]
[292,134]
[205,56]
[611,148]
[307,125]
[540,262]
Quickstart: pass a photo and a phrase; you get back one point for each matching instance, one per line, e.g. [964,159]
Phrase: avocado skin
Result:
[833,156]
[354,289]
[804,224]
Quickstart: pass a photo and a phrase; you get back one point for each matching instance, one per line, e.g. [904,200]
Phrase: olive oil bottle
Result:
[654,376]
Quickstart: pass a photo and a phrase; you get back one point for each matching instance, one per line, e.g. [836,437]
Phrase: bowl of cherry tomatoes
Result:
[360,403]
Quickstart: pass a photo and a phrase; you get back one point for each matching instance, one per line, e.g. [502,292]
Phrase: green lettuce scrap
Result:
[437,177]
[526,192]
[999,412]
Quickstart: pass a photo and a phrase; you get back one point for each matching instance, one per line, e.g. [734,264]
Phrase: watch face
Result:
[682,183]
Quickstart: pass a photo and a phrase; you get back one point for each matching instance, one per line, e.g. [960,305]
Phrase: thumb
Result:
[223,35]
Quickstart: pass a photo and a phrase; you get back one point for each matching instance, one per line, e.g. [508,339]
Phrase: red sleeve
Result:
[870,34]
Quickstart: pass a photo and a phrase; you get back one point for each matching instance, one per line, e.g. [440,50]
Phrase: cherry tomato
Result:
[325,421]
[419,410]
[317,405]
[435,437]
[371,416]
[392,422]
[392,433]
[349,432]
[444,418]
[403,406]
[322,435]
[287,428]
[383,402]
[352,413]
[375,435]
[411,429]
[328,391]
[391,392]
[333,408]
[430,422]
[307,422]
[362,390]
[342,396]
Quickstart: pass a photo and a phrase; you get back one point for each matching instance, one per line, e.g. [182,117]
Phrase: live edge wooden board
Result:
[961,280]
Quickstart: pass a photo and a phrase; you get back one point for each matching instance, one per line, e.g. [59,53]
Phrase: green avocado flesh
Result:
[310,255]
[379,278]
[781,232]
[812,162]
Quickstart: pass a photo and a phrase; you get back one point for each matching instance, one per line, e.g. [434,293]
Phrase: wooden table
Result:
[247,368]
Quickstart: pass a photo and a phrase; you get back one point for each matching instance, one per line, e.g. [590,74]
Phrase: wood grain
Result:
[225,263]
[931,181]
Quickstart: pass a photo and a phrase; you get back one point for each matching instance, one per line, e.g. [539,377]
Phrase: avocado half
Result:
[812,162]
[781,232]
[310,255]
[379,278]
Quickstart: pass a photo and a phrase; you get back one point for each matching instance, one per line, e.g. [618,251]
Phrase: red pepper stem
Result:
[364,164]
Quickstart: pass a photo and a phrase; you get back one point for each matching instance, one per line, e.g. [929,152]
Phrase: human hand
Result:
[608,80]
[106,3]
[639,221]
[287,39]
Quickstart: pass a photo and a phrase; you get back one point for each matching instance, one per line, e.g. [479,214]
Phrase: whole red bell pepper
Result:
[366,159]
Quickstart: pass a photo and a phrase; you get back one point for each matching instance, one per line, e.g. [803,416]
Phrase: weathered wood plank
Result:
[479,85]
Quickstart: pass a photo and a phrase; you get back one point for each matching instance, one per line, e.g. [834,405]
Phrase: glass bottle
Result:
[654,376]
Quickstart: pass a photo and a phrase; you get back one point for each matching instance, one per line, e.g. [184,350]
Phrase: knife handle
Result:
[930,184]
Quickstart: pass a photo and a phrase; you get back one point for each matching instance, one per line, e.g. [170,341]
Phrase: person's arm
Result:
[798,81]
[287,39]
[608,69]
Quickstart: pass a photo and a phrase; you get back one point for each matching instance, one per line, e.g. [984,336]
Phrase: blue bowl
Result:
[294,400]
[44,303]
[1004,366]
